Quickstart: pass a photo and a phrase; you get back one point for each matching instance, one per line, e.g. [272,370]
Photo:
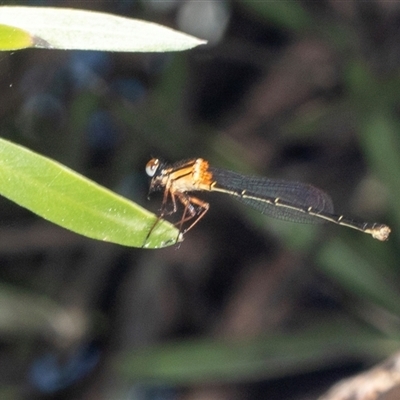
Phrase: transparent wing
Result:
[262,192]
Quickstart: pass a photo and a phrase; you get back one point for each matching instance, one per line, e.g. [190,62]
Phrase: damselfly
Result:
[291,201]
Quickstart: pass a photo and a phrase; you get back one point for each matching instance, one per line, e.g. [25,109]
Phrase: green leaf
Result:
[12,38]
[285,14]
[359,274]
[270,357]
[68,199]
[380,140]
[62,28]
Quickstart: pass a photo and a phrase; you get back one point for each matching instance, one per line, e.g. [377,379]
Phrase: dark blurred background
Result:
[246,307]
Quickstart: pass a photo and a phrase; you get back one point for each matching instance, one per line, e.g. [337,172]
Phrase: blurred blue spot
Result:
[102,133]
[133,185]
[156,63]
[88,67]
[124,6]
[39,3]
[43,105]
[48,374]
[40,112]
[132,89]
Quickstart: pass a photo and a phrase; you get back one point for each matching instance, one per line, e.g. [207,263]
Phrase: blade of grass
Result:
[379,137]
[285,14]
[358,275]
[378,125]
[271,357]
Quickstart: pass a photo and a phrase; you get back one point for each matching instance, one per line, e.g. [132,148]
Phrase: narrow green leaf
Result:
[270,357]
[68,199]
[63,28]
[12,38]
[285,14]
[380,140]
[358,275]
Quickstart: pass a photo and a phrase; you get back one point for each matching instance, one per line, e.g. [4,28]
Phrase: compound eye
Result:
[152,166]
